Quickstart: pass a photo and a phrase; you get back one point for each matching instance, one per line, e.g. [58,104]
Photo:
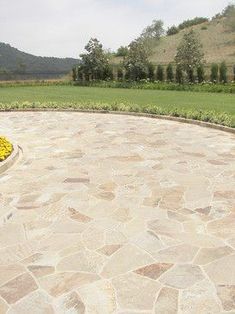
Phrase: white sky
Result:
[61,28]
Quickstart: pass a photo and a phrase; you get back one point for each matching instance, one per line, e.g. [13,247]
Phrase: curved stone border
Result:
[7,163]
[135,114]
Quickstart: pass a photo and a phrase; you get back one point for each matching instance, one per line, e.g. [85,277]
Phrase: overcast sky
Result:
[62,27]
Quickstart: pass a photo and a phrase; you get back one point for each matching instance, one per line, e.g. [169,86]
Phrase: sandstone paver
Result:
[116,214]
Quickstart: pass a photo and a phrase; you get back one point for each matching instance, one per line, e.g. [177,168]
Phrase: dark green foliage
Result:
[74,74]
[200,73]
[122,51]
[214,73]
[179,78]
[172,30]
[151,71]
[234,72]
[195,21]
[223,72]
[160,73]
[189,54]
[120,74]
[153,31]
[136,62]
[94,63]
[169,73]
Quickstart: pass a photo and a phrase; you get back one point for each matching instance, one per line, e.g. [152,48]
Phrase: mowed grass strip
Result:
[218,103]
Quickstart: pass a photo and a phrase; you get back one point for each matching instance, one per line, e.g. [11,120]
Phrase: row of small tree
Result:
[95,63]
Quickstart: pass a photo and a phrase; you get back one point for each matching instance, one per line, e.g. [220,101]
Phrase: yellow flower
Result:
[6,148]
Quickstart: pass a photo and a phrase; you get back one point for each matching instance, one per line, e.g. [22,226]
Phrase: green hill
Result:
[15,61]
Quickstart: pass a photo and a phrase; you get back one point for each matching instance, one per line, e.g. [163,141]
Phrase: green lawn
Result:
[166,99]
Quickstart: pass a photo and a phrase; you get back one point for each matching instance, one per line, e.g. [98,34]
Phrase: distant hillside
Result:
[18,62]
[218,43]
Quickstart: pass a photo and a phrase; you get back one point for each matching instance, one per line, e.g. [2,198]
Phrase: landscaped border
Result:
[135,114]
[10,160]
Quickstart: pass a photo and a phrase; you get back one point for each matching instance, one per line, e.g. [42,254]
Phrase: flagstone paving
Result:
[116,214]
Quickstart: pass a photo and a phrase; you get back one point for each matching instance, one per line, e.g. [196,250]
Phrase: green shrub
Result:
[179,75]
[214,73]
[200,73]
[151,72]
[169,73]
[223,72]
[120,74]
[160,73]
[172,30]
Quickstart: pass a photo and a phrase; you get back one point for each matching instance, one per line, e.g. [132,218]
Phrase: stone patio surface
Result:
[116,214]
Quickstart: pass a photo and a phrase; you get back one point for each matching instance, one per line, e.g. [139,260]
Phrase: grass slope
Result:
[166,99]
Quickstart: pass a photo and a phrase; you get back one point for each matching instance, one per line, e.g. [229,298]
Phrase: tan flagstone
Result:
[149,242]
[126,259]
[207,255]
[153,271]
[135,292]
[200,298]
[36,302]
[11,234]
[3,306]
[167,301]
[109,249]
[227,296]
[63,282]
[93,238]
[70,303]
[9,272]
[41,271]
[221,271]
[182,276]
[99,297]
[183,253]
[165,226]
[17,288]
[86,261]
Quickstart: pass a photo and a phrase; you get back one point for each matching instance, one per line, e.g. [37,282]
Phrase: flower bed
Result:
[6,148]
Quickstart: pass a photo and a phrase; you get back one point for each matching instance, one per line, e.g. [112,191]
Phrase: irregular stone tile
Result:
[120,262]
[221,271]
[167,301]
[57,242]
[9,272]
[203,211]
[165,226]
[198,239]
[135,292]
[41,271]
[99,297]
[182,253]
[133,227]
[18,288]
[3,306]
[93,238]
[63,282]
[108,186]
[109,249]
[176,216]
[227,296]
[153,271]
[207,255]
[225,225]
[86,261]
[70,303]
[11,234]
[77,180]
[105,195]
[199,299]
[15,253]
[182,276]
[114,237]
[76,215]
[122,215]
[36,302]
[68,227]
[149,242]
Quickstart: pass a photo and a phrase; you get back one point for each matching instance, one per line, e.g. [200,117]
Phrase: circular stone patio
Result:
[116,214]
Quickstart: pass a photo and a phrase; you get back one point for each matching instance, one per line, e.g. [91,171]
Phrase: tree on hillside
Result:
[189,54]
[169,73]
[122,51]
[153,31]
[94,63]
[160,73]
[214,73]
[229,13]
[172,30]
[223,72]
[136,62]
